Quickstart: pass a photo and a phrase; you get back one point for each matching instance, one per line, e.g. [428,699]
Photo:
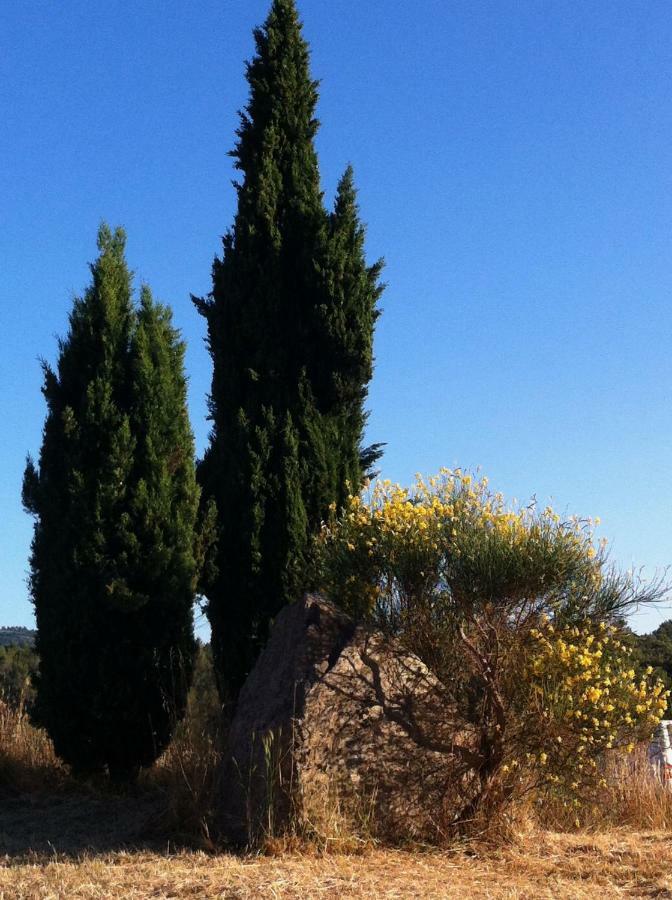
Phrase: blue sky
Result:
[514,161]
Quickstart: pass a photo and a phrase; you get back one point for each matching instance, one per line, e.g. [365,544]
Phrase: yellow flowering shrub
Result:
[514,609]
[584,697]
[394,544]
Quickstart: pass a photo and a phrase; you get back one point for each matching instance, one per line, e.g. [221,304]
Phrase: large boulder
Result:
[336,728]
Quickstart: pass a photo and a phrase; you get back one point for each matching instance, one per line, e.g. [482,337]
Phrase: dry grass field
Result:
[612,864]
[61,839]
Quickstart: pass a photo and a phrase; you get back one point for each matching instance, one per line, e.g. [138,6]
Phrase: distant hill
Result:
[10,635]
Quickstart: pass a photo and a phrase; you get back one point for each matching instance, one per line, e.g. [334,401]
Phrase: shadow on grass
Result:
[44,810]
[74,821]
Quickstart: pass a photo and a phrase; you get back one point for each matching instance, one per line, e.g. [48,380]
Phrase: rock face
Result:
[335,728]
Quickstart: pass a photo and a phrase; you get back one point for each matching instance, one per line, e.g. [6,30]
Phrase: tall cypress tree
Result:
[114,498]
[290,323]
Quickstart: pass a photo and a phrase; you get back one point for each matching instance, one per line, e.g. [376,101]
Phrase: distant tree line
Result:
[16,634]
[655,650]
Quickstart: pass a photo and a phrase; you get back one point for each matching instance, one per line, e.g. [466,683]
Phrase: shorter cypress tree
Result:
[113,564]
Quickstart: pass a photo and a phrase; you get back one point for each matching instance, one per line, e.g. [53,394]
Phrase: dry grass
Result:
[187,778]
[613,864]
[175,799]
[64,840]
[27,759]
[633,797]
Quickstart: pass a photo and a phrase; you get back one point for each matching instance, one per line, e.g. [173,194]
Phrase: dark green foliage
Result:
[204,710]
[655,650]
[115,501]
[18,668]
[290,330]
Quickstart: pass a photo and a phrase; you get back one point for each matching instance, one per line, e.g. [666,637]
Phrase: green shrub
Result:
[18,666]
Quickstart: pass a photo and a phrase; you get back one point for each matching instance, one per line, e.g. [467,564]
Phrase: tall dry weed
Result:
[188,776]
[633,797]
[27,758]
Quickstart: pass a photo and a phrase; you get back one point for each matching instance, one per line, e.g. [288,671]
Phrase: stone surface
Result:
[336,729]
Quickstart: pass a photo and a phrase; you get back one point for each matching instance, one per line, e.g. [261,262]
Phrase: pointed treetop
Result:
[275,139]
[112,247]
[146,299]
[346,221]
[283,12]
[100,320]
[281,31]
[111,241]
[346,195]
[347,180]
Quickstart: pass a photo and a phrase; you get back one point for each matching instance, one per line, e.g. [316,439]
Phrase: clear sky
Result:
[514,160]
